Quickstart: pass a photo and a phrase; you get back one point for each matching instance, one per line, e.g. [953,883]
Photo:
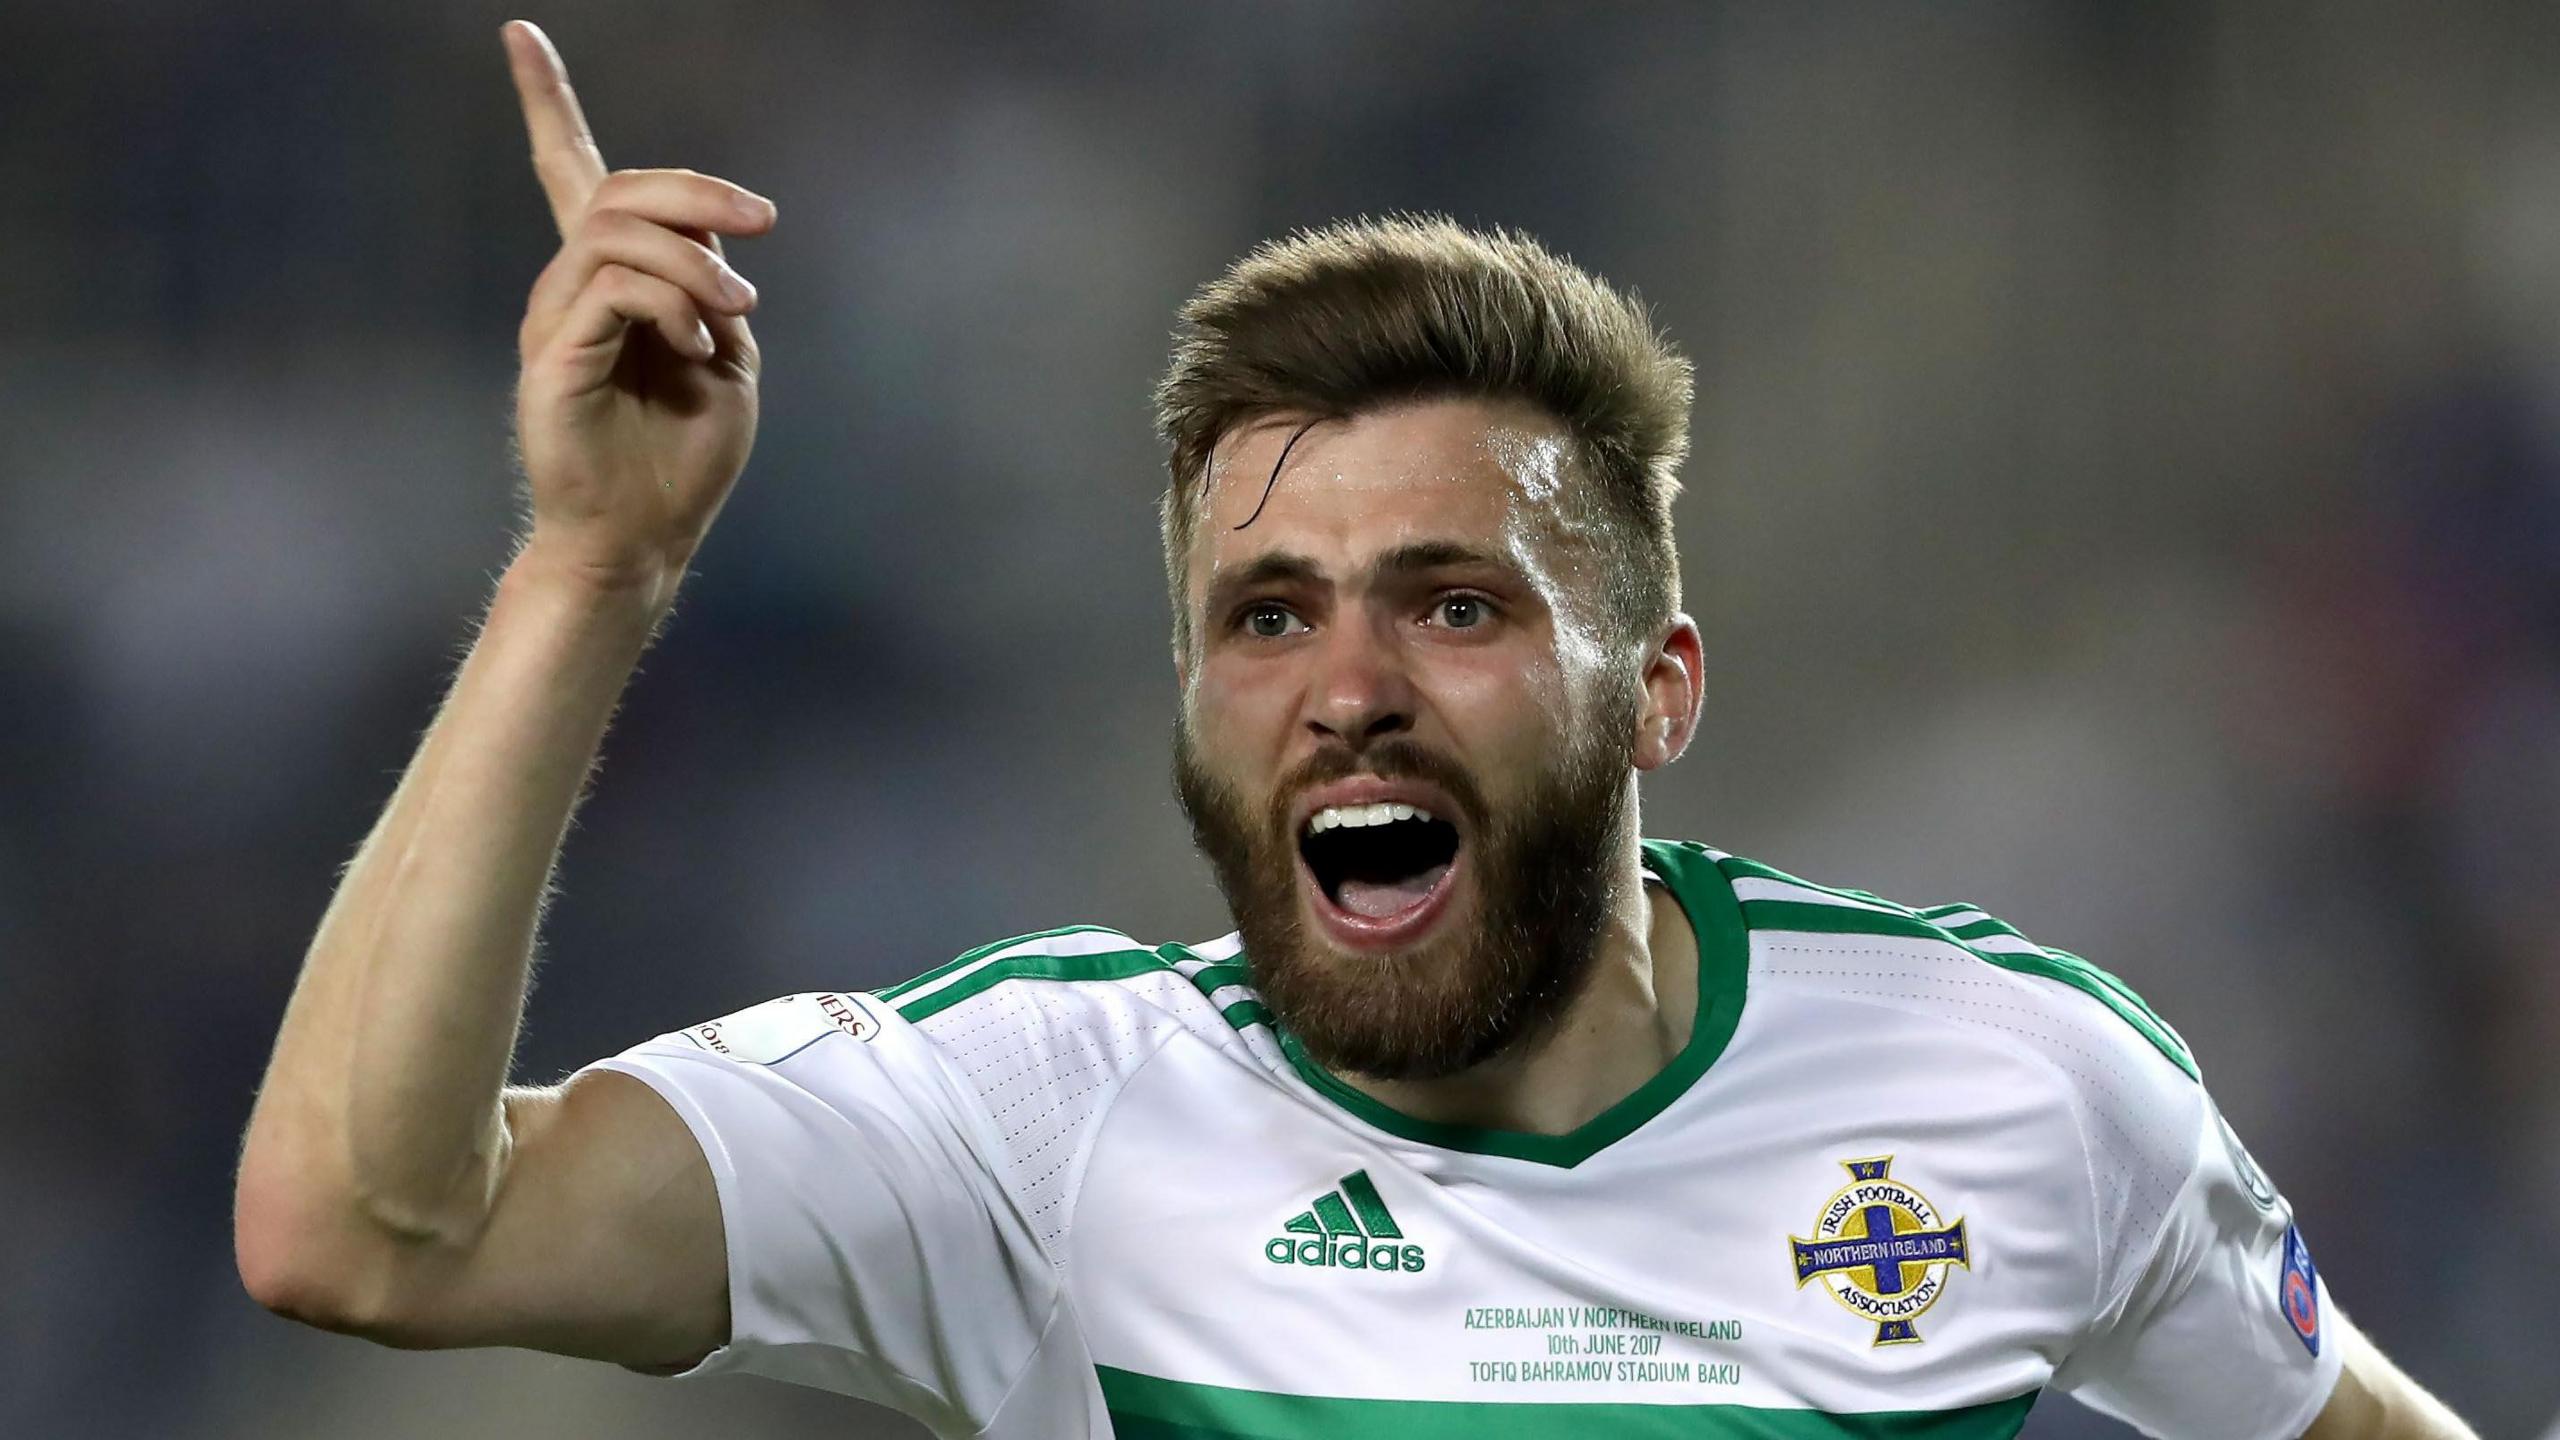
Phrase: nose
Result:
[1361,692]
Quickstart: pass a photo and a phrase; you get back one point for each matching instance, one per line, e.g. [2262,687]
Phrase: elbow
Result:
[315,1244]
[299,1261]
[328,1265]
[278,1264]
[272,1278]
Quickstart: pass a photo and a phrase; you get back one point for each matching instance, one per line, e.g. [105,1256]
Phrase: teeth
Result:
[1363,815]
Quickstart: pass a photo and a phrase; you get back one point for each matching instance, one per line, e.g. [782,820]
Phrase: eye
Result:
[1460,612]
[1269,620]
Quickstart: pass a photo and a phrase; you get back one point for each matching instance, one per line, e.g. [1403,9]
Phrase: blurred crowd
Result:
[2126,495]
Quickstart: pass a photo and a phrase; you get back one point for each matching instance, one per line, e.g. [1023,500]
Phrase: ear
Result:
[1673,691]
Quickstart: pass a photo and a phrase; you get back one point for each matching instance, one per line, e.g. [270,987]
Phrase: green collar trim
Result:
[1724,959]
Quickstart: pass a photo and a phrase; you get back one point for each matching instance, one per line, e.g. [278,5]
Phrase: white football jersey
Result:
[1910,1172]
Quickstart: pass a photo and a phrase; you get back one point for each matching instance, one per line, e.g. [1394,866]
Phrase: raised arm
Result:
[2376,1400]
[391,1185]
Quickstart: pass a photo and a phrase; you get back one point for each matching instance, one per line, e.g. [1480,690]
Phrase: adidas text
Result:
[1342,1252]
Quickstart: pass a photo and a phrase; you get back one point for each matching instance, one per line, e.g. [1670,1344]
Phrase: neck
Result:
[1630,1018]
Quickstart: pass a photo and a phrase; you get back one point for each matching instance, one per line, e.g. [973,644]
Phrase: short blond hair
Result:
[1365,313]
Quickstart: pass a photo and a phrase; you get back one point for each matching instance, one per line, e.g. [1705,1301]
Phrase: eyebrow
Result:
[1409,560]
[1282,567]
[1271,567]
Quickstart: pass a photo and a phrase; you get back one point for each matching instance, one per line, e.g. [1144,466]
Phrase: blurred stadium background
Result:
[2126,495]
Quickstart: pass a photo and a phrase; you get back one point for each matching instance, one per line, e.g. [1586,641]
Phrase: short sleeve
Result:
[873,1249]
[2215,1332]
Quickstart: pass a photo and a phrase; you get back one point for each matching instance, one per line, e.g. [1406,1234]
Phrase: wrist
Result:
[622,586]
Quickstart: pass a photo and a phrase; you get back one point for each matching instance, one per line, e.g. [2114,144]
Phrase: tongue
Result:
[1377,900]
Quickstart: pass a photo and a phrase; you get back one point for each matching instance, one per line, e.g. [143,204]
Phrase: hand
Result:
[637,403]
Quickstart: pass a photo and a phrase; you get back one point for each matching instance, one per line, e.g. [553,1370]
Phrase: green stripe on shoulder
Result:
[944,986]
[968,958]
[1737,868]
[1145,1407]
[1101,965]
[1815,917]
[2111,982]
[1213,978]
[1210,979]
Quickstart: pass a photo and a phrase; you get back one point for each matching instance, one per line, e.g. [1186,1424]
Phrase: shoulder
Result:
[1046,1032]
[1825,958]
[1951,1001]
[1078,989]
[1952,962]
[1016,1051]
[1080,997]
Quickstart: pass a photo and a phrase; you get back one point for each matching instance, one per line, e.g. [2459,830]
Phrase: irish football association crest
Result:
[1880,1248]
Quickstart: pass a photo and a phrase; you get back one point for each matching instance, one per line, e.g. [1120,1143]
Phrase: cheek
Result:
[1239,708]
[1504,711]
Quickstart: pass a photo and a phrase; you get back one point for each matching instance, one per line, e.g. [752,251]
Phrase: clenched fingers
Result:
[618,237]
[590,335]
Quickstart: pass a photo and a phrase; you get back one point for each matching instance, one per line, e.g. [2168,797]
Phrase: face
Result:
[1408,742]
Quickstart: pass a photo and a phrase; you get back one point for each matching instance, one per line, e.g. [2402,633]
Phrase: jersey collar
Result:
[1689,871]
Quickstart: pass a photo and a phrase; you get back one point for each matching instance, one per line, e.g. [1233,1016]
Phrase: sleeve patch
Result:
[774,1031]
[2300,1290]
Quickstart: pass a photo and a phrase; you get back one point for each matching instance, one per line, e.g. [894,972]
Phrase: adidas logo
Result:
[1347,1228]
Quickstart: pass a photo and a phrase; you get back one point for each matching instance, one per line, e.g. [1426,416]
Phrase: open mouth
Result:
[1382,870]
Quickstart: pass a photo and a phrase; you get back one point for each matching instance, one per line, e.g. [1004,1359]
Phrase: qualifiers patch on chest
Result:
[1879,1247]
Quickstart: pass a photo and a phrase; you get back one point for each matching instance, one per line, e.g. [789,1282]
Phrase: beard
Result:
[1492,976]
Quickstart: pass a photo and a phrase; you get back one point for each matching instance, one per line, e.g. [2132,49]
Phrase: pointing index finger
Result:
[565,157]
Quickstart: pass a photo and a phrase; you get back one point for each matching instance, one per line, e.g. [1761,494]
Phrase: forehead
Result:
[1488,472]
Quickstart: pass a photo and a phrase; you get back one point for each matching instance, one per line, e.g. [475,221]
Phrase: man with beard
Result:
[1490,1119]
